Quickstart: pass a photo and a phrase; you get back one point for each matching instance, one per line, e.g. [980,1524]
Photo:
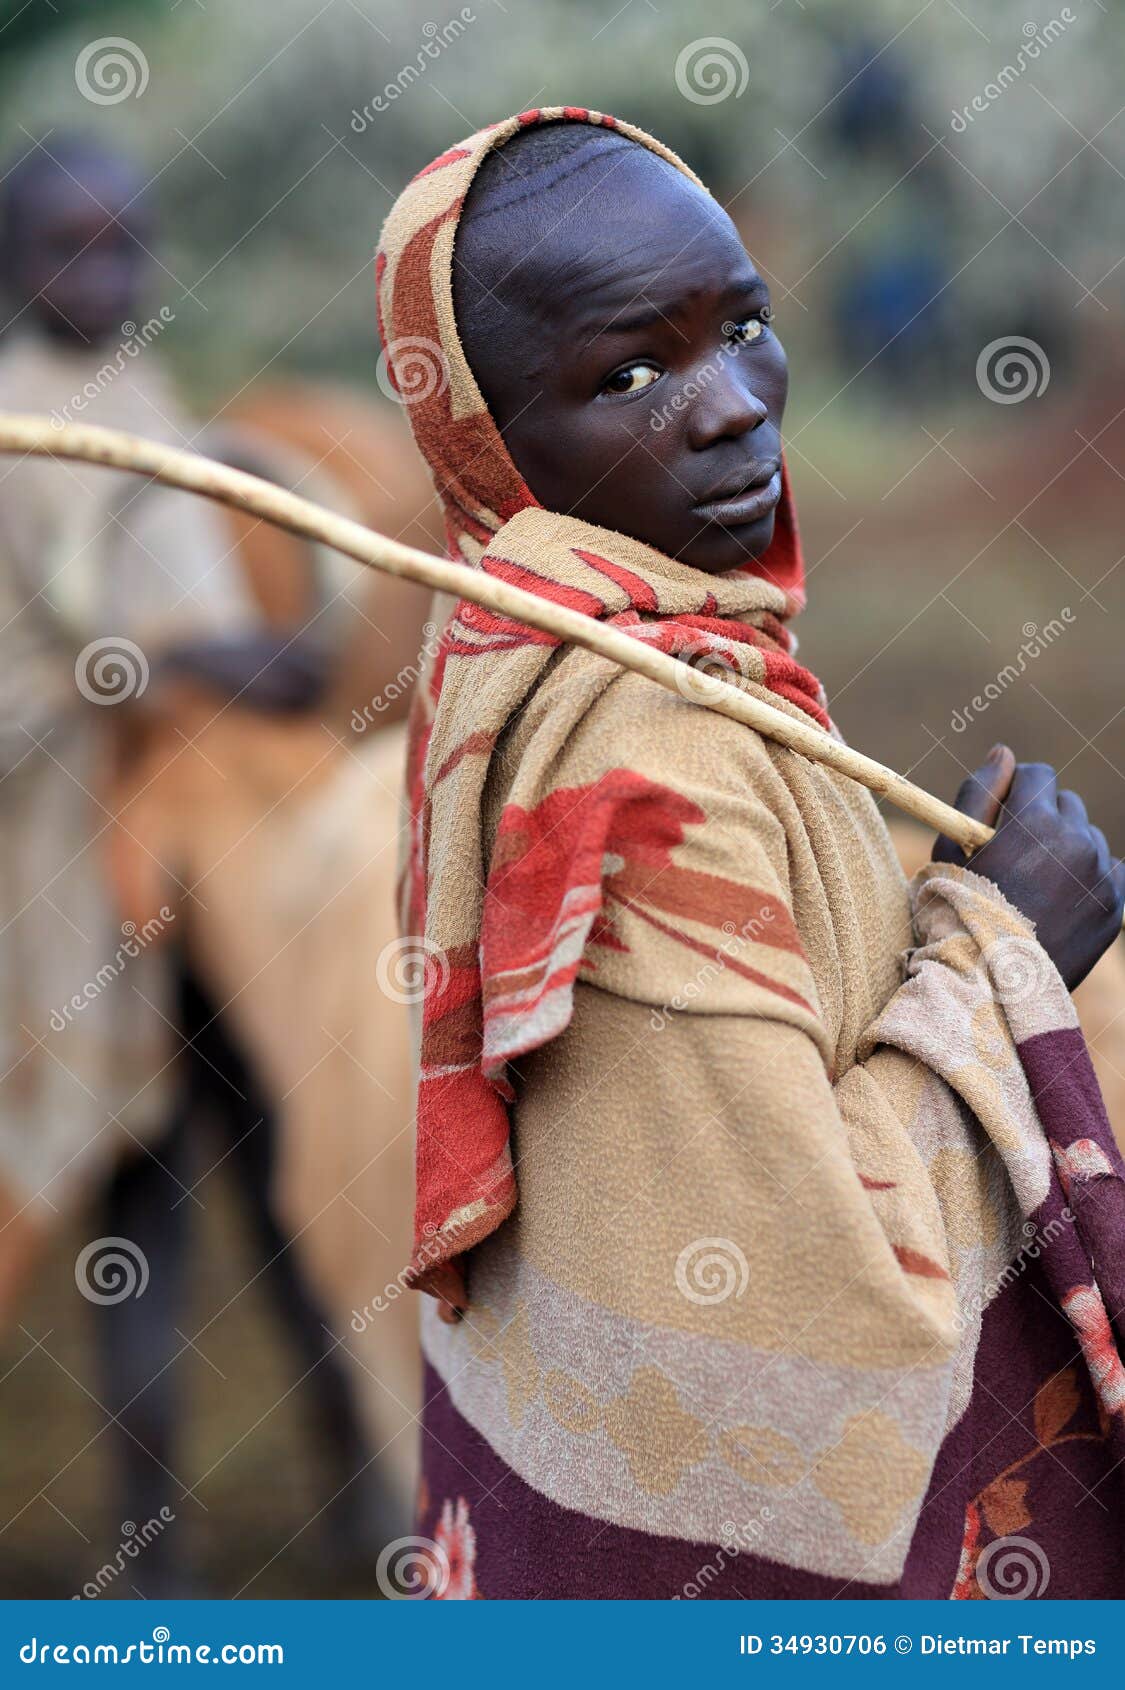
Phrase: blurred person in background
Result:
[99,574]
[890,308]
[119,592]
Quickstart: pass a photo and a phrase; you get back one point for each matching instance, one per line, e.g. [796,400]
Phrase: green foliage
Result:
[272,185]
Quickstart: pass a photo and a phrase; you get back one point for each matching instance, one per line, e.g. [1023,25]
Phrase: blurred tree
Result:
[24,22]
[278,131]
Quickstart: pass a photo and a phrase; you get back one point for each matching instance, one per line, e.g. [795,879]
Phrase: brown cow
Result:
[285,827]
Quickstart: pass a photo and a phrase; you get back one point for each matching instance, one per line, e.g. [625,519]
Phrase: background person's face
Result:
[78,262]
[636,377]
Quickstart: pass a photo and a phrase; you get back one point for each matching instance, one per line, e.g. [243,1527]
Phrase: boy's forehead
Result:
[621,249]
[628,196]
[543,266]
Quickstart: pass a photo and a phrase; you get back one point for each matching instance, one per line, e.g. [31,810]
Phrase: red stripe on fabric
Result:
[756,917]
[640,594]
[775,629]
[517,576]
[438,672]
[504,634]
[526,979]
[790,681]
[440,163]
[468,460]
[713,954]
[726,628]
[455,984]
[380,272]
[466,524]
[913,1261]
[560,978]
[476,745]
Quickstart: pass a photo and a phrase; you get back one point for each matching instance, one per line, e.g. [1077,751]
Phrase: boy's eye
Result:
[631,379]
[747,329]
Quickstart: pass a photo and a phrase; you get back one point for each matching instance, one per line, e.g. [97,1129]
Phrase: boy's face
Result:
[634,374]
[77,260]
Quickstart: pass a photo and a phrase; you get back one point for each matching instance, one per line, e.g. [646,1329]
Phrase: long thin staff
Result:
[195,474]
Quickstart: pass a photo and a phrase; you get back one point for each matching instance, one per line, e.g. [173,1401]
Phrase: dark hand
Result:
[1046,858]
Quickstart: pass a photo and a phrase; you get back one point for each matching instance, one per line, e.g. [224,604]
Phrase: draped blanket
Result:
[778,1205]
[570,868]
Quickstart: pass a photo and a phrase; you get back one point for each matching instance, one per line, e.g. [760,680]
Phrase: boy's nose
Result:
[724,409]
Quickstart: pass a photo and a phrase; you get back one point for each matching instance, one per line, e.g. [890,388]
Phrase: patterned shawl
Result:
[499,961]
[526,884]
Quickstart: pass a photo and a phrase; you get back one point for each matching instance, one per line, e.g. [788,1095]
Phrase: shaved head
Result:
[522,234]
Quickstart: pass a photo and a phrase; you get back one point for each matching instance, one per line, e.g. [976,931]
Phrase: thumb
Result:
[981,796]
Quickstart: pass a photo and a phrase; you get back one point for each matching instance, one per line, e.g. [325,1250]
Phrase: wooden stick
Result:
[196,474]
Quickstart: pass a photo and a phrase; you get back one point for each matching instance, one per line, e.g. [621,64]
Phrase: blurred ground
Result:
[244,1439]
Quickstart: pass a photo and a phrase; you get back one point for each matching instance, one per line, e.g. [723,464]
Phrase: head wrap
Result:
[477,482]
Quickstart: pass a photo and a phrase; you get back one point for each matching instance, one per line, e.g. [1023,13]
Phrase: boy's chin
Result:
[718,549]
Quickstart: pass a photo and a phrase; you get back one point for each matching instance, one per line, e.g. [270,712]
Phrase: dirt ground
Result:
[246,1451]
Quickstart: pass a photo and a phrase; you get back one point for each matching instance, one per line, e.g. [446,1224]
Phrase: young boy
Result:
[730,1146]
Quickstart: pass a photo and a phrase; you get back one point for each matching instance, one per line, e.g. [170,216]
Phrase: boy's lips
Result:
[750,503]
